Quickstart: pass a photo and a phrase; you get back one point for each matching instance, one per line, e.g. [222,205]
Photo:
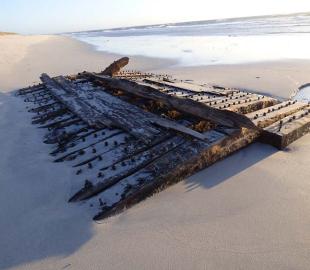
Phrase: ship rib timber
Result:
[171,168]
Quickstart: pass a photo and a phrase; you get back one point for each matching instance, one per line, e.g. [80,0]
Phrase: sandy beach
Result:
[249,211]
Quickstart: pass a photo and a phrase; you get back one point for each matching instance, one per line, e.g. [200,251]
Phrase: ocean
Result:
[213,42]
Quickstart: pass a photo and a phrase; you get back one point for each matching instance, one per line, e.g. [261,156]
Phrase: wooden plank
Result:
[65,146]
[75,152]
[129,117]
[174,166]
[40,119]
[197,109]
[70,120]
[128,167]
[287,130]
[65,134]
[120,113]
[177,127]
[70,100]
[130,148]
[250,105]
[267,116]
[183,86]
[30,90]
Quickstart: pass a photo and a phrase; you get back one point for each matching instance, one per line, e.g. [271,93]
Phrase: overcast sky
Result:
[52,16]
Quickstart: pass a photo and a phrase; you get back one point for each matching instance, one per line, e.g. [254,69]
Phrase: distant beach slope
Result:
[6,33]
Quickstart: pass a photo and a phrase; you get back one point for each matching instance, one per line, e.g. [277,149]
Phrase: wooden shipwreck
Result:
[129,134]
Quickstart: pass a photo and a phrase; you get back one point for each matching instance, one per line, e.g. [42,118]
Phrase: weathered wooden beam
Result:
[251,105]
[267,116]
[223,117]
[49,116]
[69,144]
[115,67]
[116,111]
[29,90]
[183,161]
[74,153]
[129,149]
[70,120]
[287,130]
[70,100]
[177,127]
[127,116]
[194,88]
[128,167]
[55,105]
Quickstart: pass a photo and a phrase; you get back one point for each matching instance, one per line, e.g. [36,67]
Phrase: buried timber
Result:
[128,134]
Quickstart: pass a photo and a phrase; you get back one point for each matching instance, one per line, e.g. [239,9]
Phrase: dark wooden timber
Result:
[223,117]
[171,168]
[141,160]
[289,129]
[115,67]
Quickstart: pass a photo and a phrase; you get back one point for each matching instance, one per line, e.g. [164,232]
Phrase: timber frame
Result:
[129,134]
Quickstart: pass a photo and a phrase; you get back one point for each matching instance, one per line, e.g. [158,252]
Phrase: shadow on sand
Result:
[36,222]
[230,166]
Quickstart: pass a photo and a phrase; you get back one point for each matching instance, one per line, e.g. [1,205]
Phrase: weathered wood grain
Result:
[183,161]
[197,109]
[115,67]
[128,167]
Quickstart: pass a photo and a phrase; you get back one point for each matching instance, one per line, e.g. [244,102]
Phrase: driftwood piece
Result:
[115,67]
[223,117]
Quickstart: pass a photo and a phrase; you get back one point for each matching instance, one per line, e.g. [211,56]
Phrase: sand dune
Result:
[250,211]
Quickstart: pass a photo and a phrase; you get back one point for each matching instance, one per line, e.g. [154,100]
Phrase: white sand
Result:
[250,211]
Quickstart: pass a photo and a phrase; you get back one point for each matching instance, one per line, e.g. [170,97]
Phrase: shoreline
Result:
[255,77]
[275,78]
